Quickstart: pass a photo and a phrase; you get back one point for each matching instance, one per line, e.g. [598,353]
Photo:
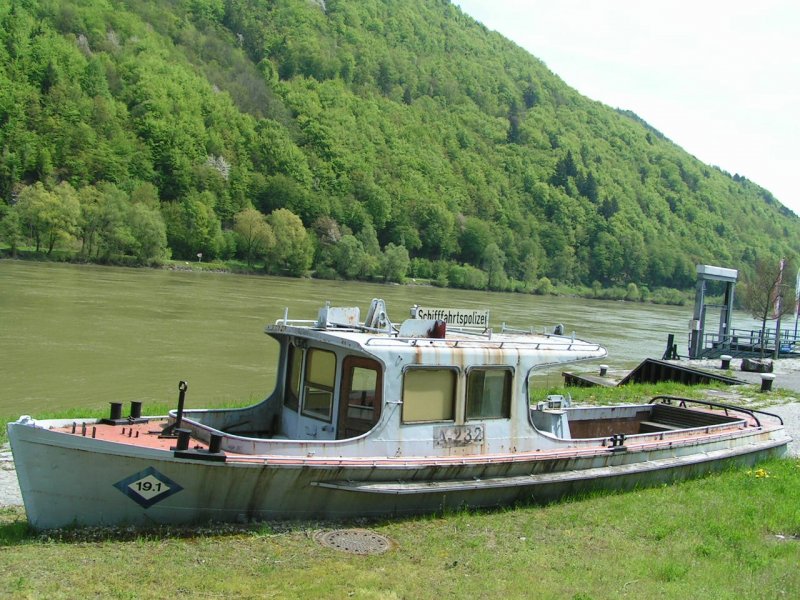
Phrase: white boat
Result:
[370,419]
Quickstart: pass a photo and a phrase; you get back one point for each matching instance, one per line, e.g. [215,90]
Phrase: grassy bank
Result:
[732,535]
[746,395]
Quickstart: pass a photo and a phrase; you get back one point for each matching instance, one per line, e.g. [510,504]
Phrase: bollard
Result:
[766,381]
[603,370]
[183,438]
[726,361]
[136,410]
[215,443]
[116,410]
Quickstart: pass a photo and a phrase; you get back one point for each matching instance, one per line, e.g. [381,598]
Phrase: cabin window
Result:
[429,395]
[361,396]
[488,394]
[292,397]
[319,383]
[360,401]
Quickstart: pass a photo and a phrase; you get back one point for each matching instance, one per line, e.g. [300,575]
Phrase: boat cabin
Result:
[430,386]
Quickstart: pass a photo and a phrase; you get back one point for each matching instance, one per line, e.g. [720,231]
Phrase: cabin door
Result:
[362,396]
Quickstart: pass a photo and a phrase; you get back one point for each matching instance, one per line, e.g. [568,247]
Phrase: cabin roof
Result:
[548,346]
[430,336]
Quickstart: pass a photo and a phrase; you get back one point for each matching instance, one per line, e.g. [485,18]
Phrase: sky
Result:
[720,78]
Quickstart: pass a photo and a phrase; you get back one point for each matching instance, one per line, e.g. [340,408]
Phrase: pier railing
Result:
[751,342]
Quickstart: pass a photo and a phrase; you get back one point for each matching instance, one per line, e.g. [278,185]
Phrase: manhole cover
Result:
[354,541]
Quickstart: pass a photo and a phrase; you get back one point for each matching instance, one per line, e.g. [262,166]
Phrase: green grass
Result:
[716,537]
[740,395]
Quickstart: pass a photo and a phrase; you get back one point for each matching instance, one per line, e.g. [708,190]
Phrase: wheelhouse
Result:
[422,387]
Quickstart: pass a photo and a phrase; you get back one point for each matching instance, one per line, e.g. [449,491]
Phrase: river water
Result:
[82,336]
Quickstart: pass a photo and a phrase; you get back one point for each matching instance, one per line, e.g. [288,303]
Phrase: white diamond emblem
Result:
[148,487]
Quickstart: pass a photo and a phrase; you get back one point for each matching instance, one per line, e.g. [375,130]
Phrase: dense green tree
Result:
[149,233]
[293,249]
[114,224]
[494,264]
[475,237]
[92,203]
[406,122]
[255,237]
[282,191]
[349,257]
[10,229]
[49,216]
[115,237]
[395,263]
[193,227]
[436,227]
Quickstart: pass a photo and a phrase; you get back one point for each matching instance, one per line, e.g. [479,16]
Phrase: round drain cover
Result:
[354,541]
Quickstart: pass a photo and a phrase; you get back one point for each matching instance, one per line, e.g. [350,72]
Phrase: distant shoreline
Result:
[220,267]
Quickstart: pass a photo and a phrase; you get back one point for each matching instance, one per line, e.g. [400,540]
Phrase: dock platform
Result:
[651,370]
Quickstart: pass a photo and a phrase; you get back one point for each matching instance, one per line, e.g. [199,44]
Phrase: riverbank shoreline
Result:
[673,297]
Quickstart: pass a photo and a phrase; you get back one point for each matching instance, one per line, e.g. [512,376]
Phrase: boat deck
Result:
[149,435]
[142,435]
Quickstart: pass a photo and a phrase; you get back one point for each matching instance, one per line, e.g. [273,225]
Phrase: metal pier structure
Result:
[738,343]
[751,343]
[706,273]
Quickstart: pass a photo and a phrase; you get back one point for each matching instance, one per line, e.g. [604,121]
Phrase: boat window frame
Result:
[306,383]
[346,419]
[508,401]
[456,373]
[295,354]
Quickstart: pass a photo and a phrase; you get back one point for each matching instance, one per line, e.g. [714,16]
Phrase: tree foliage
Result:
[403,125]
[766,294]
[255,235]
[293,249]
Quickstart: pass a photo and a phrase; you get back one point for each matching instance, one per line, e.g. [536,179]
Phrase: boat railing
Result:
[309,324]
[726,407]
[477,331]
[532,331]
[482,337]
[295,322]
[548,344]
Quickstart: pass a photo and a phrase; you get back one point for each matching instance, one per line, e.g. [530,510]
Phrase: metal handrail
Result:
[725,407]
[753,337]
[495,343]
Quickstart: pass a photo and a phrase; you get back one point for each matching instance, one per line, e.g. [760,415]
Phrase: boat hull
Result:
[68,480]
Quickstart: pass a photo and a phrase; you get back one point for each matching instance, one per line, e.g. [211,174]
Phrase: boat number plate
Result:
[458,435]
[148,487]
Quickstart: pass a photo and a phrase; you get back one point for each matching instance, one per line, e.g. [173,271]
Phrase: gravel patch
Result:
[9,486]
[790,413]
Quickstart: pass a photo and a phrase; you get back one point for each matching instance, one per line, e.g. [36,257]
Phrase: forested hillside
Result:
[351,138]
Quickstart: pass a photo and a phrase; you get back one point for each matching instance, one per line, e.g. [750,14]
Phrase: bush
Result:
[467,277]
[544,287]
